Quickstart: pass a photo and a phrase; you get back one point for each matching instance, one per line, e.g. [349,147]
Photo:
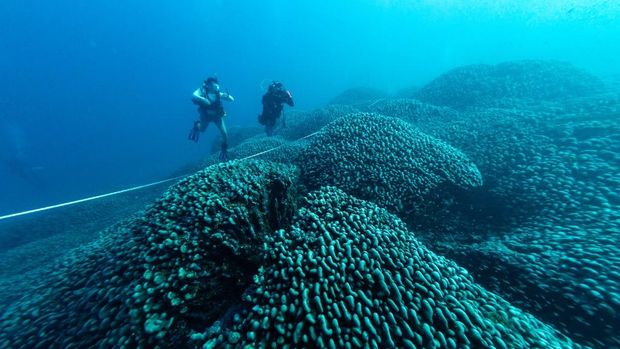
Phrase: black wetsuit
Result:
[272,107]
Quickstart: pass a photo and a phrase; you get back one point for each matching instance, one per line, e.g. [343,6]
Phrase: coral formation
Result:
[349,275]
[414,111]
[567,180]
[358,95]
[476,85]
[387,161]
[302,123]
[346,271]
[548,210]
[173,269]
[567,274]
[241,255]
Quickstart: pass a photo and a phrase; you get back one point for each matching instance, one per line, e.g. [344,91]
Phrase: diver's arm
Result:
[227,96]
[198,99]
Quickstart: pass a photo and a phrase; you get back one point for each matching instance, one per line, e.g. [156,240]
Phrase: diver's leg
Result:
[269,125]
[203,123]
[221,125]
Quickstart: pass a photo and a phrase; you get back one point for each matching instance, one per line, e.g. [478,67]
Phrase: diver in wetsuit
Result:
[273,102]
[209,99]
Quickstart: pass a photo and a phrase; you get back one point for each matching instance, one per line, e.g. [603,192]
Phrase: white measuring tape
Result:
[96,197]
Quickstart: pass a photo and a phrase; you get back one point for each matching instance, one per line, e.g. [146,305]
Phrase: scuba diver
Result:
[208,98]
[272,106]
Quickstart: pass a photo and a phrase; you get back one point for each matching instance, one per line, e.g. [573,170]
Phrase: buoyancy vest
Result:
[215,107]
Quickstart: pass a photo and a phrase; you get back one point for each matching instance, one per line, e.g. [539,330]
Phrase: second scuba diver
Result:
[208,98]
[272,106]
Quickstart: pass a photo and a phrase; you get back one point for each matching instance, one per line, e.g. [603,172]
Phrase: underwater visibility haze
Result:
[443,174]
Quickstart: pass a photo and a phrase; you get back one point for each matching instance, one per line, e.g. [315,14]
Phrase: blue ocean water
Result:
[448,176]
[96,96]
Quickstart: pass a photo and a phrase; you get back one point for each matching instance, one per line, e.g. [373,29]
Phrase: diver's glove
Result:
[194,133]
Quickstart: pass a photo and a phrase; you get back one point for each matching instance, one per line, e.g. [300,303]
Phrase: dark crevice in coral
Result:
[281,204]
[216,312]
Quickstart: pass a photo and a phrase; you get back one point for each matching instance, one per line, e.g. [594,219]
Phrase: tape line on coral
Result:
[96,197]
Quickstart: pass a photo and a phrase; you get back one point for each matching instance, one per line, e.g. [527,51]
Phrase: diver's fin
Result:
[223,156]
